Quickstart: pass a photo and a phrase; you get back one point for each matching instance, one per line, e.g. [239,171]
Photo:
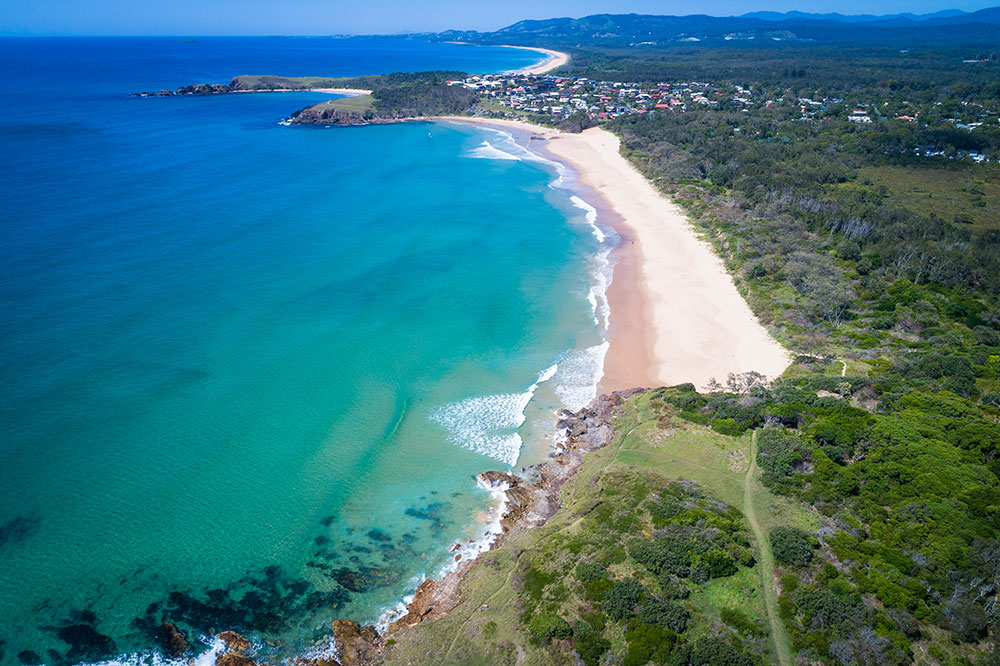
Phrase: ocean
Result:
[250,371]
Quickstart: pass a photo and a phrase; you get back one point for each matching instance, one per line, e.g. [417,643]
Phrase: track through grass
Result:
[779,637]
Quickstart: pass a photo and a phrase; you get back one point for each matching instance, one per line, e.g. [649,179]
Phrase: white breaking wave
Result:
[487,151]
[487,424]
[591,217]
[509,148]
[579,373]
[603,270]
[154,658]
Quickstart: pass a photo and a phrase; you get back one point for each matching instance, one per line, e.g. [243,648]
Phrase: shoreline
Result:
[554,59]
[676,313]
[530,498]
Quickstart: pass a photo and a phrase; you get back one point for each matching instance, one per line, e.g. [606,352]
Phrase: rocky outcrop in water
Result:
[234,655]
[234,641]
[172,639]
[531,499]
[355,643]
[339,117]
[233,659]
[197,89]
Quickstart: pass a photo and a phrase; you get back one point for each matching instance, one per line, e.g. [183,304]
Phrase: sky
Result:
[327,17]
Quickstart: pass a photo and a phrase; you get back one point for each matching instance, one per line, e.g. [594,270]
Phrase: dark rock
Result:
[172,640]
[353,641]
[497,480]
[233,659]
[234,641]
[205,89]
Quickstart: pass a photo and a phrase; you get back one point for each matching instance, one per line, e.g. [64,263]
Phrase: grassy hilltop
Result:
[750,527]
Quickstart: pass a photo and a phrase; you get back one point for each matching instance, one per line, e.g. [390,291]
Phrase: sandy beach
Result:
[354,92]
[676,315]
[555,59]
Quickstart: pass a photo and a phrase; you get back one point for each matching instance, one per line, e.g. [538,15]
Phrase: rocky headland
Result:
[531,498]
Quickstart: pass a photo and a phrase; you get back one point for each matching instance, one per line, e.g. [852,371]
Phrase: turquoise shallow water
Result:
[251,371]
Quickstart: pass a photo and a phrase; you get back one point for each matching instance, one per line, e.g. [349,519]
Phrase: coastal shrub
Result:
[779,453]
[648,643]
[823,608]
[686,401]
[590,571]
[594,590]
[536,580]
[667,614]
[842,426]
[738,620]
[709,651]
[669,553]
[727,427]
[663,509]
[546,626]
[589,643]
[717,564]
[965,618]
[621,600]
[673,589]
[791,546]
[695,417]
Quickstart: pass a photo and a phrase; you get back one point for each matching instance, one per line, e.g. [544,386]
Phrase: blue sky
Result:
[324,17]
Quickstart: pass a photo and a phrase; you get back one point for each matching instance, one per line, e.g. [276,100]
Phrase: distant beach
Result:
[555,59]
[676,313]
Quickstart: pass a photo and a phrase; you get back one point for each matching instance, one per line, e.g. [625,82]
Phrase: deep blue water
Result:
[250,371]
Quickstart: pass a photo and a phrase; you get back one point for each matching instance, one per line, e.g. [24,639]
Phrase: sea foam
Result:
[154,658]
[579,373]
[487,151]
[487,424]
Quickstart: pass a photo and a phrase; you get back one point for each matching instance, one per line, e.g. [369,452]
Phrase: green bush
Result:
[536,580]
[594,590]
[727,426]
[648,643]
[791,546]
[719,563]
[590,571]
[709,652]
[736,619]
[661,613]
[673,589]
[589,643]
[780,451]
[621,600]
[546,626]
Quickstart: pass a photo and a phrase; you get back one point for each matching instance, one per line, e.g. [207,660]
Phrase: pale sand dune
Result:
[684,321]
